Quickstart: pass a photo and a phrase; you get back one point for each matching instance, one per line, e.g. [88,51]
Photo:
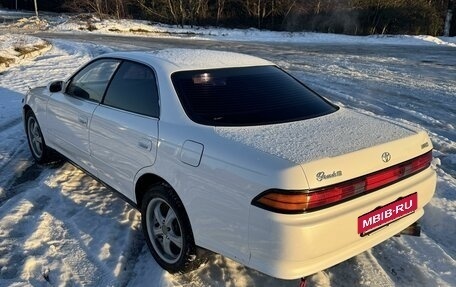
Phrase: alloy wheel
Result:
[35,137]
[164,230]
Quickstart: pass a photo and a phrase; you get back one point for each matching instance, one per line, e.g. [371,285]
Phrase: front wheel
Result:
[168,232]
[40,151]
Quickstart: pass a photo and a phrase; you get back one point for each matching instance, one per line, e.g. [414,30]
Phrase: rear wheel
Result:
[40,152]
[168,232]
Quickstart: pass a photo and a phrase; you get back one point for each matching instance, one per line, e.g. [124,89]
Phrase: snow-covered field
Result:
[59,227]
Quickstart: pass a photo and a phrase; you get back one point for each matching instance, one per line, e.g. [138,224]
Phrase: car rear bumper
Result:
[293,246]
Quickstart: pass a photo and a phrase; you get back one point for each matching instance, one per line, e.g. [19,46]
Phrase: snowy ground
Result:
[59,227]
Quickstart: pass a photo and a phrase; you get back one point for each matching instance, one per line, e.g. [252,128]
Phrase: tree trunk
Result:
[449,15]
[36,8]
[220,7]
[259,13]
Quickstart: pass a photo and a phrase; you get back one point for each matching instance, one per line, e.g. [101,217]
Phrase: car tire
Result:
[168,232]
[40,151]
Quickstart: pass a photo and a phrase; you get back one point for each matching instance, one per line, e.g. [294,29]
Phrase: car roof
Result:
[190,59]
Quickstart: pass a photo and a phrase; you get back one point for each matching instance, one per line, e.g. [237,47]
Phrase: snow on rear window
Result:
[246,96]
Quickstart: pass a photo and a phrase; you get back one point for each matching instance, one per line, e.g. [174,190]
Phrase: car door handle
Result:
[83,119]
[145,144]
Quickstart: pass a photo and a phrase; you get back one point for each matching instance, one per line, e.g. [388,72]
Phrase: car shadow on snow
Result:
[65,222]
[16,164]
[93,211]
[24,173]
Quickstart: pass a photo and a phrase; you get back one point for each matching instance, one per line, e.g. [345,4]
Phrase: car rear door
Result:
[69,112]
[124,127]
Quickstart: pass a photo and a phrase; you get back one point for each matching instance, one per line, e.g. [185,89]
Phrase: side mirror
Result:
[56,86]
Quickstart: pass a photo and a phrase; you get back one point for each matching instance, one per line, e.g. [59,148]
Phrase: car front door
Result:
[124,127]
[69,112]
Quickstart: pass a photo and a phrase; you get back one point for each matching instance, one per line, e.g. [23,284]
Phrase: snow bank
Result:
[31,23]
[16,49]
[145,28]
[90,24]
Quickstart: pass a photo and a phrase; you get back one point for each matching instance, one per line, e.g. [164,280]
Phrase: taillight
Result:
[383,178]
[283,201]
[290,201]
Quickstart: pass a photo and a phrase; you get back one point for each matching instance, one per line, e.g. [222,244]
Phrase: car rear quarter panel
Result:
[217,193]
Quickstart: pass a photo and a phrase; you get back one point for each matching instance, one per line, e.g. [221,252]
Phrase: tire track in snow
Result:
[361,270]
[411,261]
[26,172]
[10,123]
[440,219]
[371,272]
[78,261]
[15,161]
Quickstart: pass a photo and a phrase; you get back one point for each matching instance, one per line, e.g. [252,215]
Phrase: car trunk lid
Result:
[337,147]
[342,132]
[333,170]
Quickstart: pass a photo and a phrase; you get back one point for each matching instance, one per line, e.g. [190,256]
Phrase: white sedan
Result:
[227,152]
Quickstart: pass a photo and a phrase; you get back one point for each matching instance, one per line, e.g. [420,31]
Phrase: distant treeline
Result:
[357,17]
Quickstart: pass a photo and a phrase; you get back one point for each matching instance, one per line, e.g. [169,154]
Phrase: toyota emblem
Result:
[386,157]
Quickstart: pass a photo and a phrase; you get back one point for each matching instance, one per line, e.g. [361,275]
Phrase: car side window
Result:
[134,89]
[90,83]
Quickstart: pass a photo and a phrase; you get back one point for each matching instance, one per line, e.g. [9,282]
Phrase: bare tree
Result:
[259,9]
[101,8]
[156,9]
[187,11]
[220,9]
[262,9]
[448,18]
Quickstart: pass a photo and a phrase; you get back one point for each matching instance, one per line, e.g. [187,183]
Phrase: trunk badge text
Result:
[322,175]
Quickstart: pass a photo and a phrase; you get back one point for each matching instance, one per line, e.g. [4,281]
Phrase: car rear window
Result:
[246,96]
